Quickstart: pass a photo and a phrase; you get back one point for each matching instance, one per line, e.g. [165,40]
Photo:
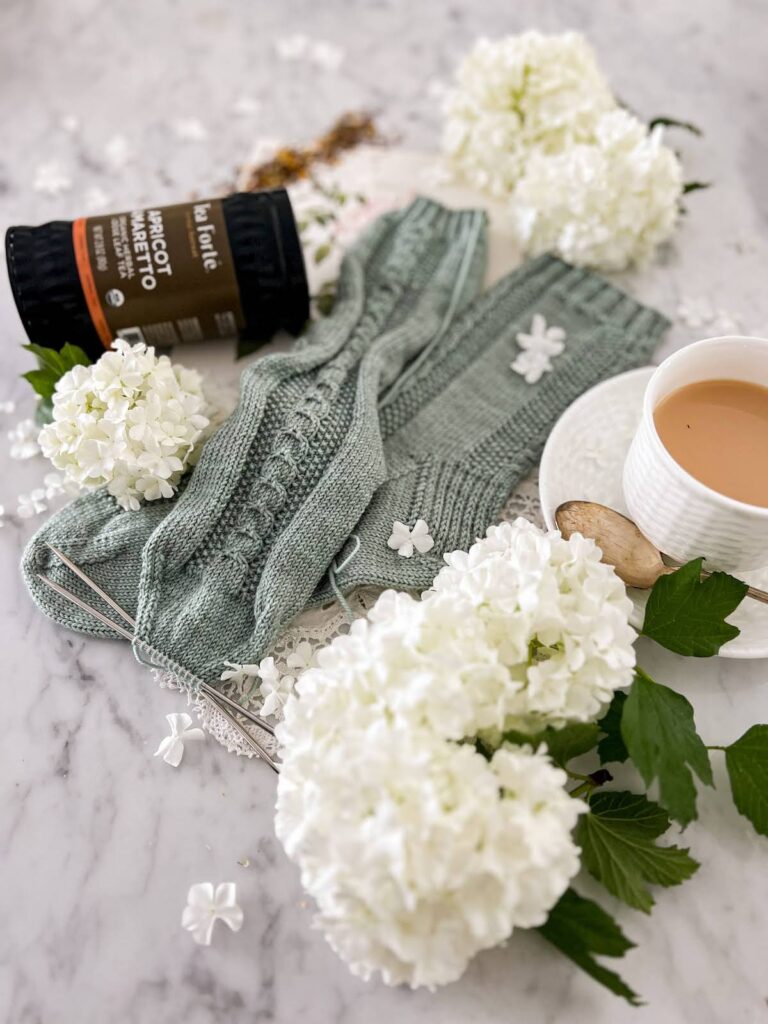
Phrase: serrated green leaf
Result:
[562,744]
[581,930]
[658,729]
[73,355]
[612,747]
[43,382]
[46,358]
[617,840]
[673,122]
[687,615]
[747,764]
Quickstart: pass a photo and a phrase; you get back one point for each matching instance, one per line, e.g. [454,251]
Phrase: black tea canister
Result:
[165,275]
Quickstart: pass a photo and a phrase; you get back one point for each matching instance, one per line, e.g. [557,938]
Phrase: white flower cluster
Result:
[418,850]
[532,118]
[132,422]
[606,204]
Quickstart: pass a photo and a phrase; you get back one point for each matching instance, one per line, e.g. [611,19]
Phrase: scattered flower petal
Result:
[538,346]
[245,106]
[190,129]
[23,438]
[117,152]
[70,124]
[52,179]
[326,55]
[31,504]
[301,657]
[275,688]
[292,47]
[95,199]
[405,540]
[8,407]
[172,747]
[205,907]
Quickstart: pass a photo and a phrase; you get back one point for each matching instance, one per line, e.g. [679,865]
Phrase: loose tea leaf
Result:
[617,840]
[658,729]
[687,615]
[581,930]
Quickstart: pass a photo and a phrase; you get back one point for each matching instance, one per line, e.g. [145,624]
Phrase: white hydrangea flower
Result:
[132,422]
[523,631]
[419,852]
[556,618]
[519,94]
[605,203]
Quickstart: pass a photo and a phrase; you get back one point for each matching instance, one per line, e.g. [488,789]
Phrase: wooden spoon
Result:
[632,555]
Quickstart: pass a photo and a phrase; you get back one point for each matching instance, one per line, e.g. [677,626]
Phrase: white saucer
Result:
[583,459]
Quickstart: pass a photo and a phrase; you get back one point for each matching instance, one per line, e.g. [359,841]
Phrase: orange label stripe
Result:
[83,261]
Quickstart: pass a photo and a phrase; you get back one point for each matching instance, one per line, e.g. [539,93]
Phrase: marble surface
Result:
[99,841]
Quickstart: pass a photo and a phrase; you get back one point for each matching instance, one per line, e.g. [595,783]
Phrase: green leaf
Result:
[46,358]
[658,728]
[581,929]
[687,615]
[43,382]
[73,355]
[672,122]
[695,186]
[612,747]
[562,744]
[747,764]
[52,365]
[617,840]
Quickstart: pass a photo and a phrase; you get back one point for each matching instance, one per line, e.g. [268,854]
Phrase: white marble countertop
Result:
[99,841]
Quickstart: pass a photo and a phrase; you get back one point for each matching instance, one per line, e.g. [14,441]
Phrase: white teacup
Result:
[682,516]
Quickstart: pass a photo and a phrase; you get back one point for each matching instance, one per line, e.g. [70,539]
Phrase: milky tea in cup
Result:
[696,474]
[717,430]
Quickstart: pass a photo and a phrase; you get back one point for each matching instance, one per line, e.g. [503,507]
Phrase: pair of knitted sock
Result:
[216,574]
[398,407]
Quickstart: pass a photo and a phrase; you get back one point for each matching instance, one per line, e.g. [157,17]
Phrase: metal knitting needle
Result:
[246,736]
[92,584]
[210,690]
[212,695]
[74,599]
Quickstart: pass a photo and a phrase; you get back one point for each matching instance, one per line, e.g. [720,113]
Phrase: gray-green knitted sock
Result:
[462,428]
[108,542]
[250,538]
